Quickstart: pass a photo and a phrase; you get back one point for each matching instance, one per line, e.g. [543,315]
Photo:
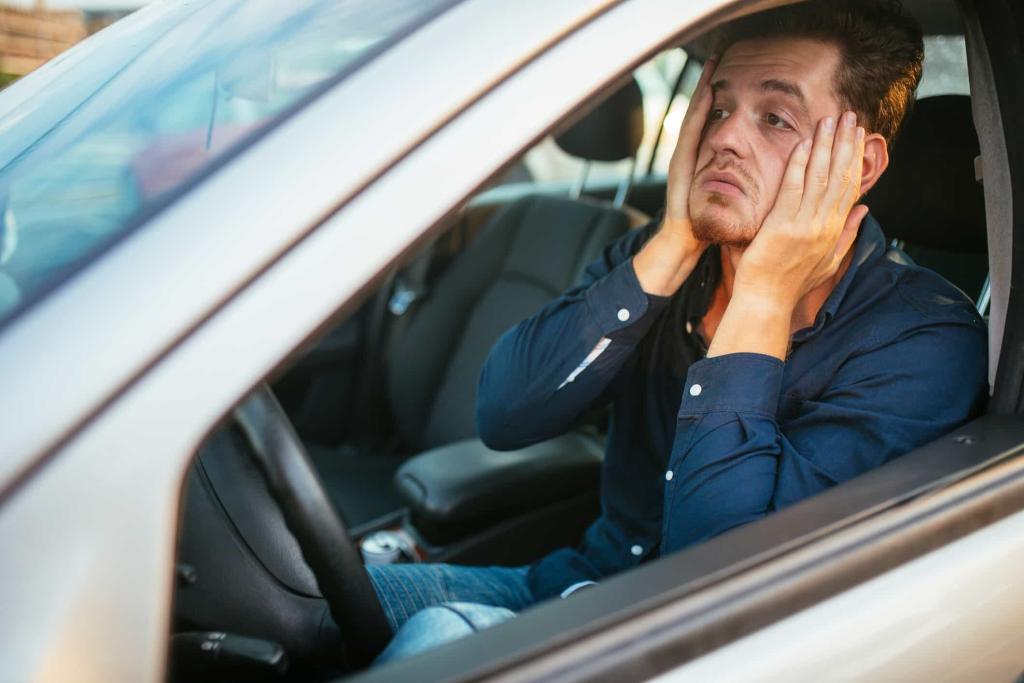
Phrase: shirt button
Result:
[695,390]
[637,550]
[669,475]
[623,314]
[689,327]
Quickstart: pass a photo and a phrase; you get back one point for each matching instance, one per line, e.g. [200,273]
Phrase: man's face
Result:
[768,96]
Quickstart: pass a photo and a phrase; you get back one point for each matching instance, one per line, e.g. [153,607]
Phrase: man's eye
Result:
[777,121]
[717,115]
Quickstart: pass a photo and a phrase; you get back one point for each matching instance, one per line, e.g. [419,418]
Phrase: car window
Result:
[211,76]
[945,67]
[945,72]
[547,163]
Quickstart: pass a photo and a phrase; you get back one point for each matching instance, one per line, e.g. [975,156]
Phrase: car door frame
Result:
[92,576]
[750,603]
[121,603]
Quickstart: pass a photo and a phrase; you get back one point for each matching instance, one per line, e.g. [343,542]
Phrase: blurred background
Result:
[34,31]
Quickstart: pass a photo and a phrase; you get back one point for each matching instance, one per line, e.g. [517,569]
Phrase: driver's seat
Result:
[528,253]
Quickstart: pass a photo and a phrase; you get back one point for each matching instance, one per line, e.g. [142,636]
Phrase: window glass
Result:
[546,162]
[945,67]
[945,72]
[215,72]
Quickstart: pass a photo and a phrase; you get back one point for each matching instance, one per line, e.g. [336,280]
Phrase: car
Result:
[210,207]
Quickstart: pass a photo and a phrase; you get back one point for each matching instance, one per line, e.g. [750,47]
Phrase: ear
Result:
[876,160]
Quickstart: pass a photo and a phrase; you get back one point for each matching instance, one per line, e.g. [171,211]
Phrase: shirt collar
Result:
[702,284]
[870,244]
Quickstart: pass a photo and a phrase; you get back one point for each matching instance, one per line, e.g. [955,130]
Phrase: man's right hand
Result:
[670,256]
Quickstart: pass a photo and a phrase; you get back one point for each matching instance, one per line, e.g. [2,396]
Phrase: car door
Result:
[89,577]
[91,481]
[906,573]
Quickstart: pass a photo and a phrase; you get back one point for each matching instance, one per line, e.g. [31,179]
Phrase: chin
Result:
[717,222]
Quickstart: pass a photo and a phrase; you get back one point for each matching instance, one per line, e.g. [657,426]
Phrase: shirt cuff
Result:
[619,304]
[575,587]
[735,382]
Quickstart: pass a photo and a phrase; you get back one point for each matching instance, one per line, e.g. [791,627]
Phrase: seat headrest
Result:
[929,196]
[612,131]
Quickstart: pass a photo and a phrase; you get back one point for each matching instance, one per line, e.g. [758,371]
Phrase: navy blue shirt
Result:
[895,358]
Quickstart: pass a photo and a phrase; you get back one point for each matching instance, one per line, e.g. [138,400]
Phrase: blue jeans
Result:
[430,604]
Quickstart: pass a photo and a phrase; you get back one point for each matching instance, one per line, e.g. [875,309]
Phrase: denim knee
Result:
[441,624]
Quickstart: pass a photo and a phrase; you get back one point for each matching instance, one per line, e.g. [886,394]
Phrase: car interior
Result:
[377,416]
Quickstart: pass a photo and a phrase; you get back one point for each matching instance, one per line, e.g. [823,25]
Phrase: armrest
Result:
[467,480]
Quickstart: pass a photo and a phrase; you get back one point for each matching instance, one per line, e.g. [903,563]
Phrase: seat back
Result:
[527,254]
[611,131]
[929,199]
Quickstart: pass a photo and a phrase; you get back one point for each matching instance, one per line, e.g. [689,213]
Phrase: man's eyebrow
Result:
[786,88]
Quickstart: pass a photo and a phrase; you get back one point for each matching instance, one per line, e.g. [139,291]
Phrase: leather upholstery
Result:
[466,480]
[929,197]
[621,114]
[528,253]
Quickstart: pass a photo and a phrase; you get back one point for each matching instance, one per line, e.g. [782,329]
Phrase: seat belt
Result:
[411,283]
[388,319]
[368,384]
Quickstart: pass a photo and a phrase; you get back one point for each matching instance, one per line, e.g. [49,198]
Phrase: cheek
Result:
[774,168]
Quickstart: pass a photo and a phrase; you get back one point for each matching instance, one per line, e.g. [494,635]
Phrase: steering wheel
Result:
[321,534]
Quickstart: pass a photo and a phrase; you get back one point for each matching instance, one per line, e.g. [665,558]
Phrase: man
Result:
[755,343]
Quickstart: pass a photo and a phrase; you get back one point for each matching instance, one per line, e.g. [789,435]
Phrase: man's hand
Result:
[801,243]
[671,254]
[813,223]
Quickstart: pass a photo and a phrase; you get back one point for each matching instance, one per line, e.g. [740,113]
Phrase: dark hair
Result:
[880,47]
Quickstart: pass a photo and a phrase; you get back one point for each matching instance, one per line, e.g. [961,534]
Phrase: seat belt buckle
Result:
[403,297]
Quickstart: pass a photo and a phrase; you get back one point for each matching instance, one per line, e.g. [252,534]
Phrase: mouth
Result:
[723,182]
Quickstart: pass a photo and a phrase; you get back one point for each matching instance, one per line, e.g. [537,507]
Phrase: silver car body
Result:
[113,380]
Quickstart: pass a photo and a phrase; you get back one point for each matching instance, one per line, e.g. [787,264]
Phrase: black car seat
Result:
[527,253]
[929,200]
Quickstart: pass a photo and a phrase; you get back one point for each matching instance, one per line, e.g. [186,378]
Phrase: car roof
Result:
[936,17]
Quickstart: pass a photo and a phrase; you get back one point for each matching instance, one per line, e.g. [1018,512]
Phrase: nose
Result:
[730,135]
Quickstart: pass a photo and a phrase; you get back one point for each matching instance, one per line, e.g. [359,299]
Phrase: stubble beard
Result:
[711,227]
[711,223]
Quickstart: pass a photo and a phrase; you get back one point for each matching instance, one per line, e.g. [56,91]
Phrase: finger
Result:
[816,176]
[683,164]
[850,229]
[697,111]
[792,188]
[856,168]
[702,94]
[841,171]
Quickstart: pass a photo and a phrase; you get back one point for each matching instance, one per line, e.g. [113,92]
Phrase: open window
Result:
[381,404]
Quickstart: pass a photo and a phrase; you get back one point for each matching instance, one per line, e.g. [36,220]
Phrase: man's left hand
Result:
[802,242]
[814,222]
